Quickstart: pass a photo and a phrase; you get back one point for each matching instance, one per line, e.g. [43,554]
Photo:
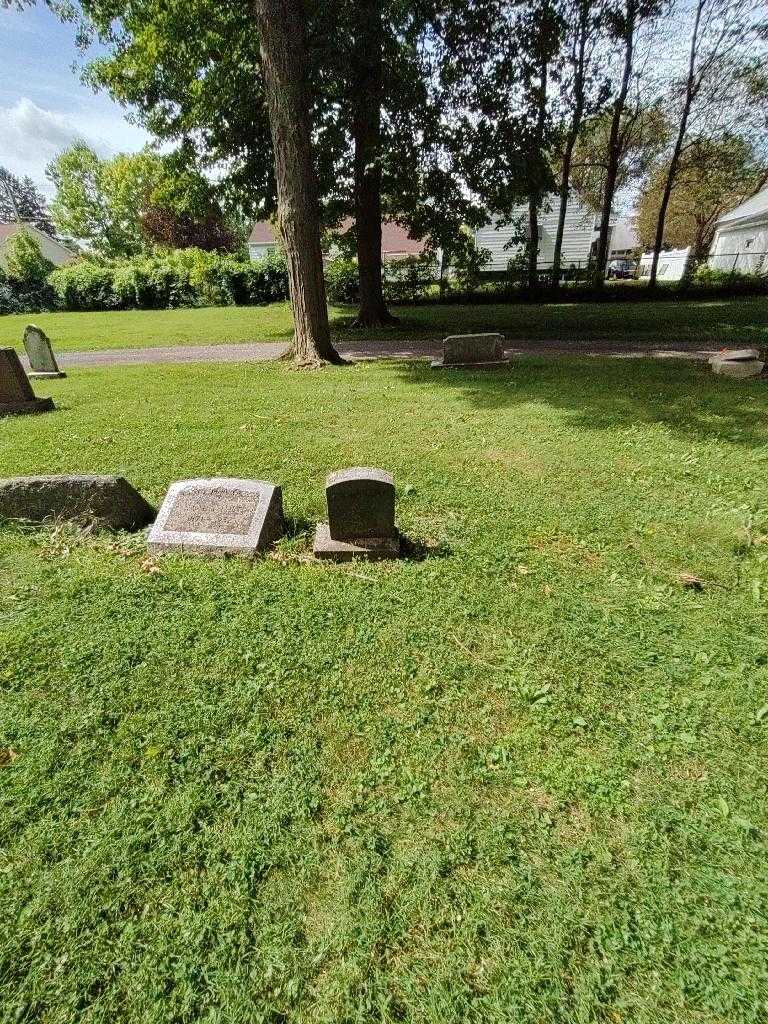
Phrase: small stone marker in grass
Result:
[737,362]
[16,394]
[218,516]
[108,502]
[361,516]
[40,354]
[478,351]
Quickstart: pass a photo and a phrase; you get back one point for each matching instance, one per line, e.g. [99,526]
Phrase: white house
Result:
[741,237]
[54,251]
[581,229]
[672,264]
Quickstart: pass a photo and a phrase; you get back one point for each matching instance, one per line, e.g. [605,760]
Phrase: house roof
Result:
[9,230]
[263,233]
[757,206]
[395,240]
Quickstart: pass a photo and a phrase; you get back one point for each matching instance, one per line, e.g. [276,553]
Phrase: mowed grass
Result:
[520,778]
[726,322]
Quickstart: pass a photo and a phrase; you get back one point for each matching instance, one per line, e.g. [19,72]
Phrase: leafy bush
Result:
[255,283]
[170,279]
[24,287]
[467,263]
[409,279]
[25,261]
[85,286]
[342,281]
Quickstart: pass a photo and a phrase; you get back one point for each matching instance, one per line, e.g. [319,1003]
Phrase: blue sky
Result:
[43,105]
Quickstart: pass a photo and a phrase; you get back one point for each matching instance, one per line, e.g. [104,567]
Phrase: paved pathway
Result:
[246,352]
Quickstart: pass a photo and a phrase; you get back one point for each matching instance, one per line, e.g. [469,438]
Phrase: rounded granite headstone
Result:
[361,503]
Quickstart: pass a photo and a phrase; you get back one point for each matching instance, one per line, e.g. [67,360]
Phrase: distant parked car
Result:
[620,269]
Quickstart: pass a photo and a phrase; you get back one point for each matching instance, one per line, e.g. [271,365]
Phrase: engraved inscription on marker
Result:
[219,516]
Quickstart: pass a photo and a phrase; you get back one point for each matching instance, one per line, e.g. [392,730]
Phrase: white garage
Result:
[741,238]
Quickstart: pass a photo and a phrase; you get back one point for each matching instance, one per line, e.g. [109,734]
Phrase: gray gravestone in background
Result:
[16,394]
[40,354]
[107,501]
[737,362]
[219,516]
[467,350]
[361,516]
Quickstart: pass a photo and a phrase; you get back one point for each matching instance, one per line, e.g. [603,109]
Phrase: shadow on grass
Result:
[414,550]
[604,394]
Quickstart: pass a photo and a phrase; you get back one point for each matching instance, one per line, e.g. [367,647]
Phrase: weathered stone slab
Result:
[361,516]
[739,368]
[109,502]
[218,516]
[40,354]
[16,394]
[465,350]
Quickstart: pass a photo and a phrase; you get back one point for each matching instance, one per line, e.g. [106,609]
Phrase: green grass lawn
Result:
[721,323]
[520,779]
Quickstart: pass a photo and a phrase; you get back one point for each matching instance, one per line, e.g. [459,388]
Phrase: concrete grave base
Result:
[218,516]
[371,549]
[440,364]
[26,408]
[45,375]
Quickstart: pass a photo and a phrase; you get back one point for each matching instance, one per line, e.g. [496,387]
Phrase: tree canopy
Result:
[713,177]
[120,205]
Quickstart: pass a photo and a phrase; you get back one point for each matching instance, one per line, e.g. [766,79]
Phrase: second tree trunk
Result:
[366,127]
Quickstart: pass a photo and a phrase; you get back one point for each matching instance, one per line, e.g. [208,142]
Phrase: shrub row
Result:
[191,277]
[181,277]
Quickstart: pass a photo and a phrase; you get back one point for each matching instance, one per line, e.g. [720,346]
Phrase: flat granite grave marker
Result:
[737,362]
[16,394]
[461,351]
[218,516]
[40,354]
[106,501]
[361,516]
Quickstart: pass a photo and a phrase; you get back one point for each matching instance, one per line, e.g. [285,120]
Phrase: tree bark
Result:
[614,146]
[366,129]
[690,93]
[534,199]
[570,142]
[285,69]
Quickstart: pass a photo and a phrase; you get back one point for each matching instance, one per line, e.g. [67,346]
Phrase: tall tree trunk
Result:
[285,68]
[690,92]
[565,187]
[533,244]
[570,142]
[534,198]
[614,147]
[366,128]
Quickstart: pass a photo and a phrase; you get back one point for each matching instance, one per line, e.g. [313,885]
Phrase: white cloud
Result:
[31,136]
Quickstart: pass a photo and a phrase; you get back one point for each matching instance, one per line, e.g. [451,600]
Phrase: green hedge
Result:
[167,280]
[405,280]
